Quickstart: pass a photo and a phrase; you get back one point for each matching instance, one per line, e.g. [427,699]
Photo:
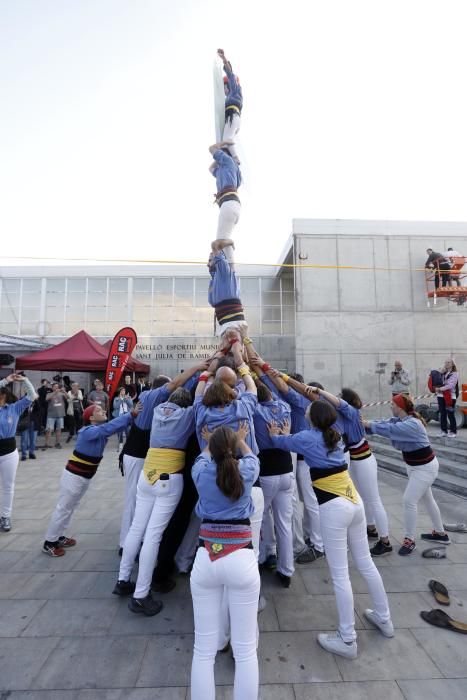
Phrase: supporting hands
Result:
[278,428]
[205,434]
[136,410]
[312,393]
[243,430]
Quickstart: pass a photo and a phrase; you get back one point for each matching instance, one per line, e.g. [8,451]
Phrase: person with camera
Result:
[399,380]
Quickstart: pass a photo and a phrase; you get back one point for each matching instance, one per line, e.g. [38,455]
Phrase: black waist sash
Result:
[83,465]
[7,446]
[229,310]
[137,442]
[274,462]
[415,458]
[318,473]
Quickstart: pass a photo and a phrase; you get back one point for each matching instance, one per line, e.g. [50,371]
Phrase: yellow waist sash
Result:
[339,484]
[162,460]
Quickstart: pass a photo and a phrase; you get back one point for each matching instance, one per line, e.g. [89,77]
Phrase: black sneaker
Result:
[69,438]
[148,606]
[408,546]
[311,554]
[436,537]
[372,533]
[32,455]
[284,580]
[124,588]
[23,458]
[380,549]
[270,562]
[58,446]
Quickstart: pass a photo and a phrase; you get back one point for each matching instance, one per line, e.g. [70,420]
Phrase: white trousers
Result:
[299,545]
[311,522]
[231,129]
[419,489]
[132,467]
[344,522]
[278,492]
[364,474]
[238,574]
[8,467]
[155,505]
[188,546]
[72,489]
[229,214]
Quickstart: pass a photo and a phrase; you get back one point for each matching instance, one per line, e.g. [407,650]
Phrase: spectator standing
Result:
[98,397]
[75,410]
[399,380]
[42,392]
[28,426]
[447,395]
[57,403]
[130,388]
[142,385]
[122,404]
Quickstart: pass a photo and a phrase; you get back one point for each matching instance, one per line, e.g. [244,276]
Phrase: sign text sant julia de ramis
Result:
[174,351]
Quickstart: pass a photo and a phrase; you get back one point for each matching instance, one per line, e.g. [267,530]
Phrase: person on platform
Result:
[78,472]
[228,180]
[233,105]
[450,254]
[407,432]
[10,412]
[343,524]
[225,570]
[159,490]
[441,265]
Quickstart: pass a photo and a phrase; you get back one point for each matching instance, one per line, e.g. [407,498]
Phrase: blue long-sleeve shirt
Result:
[231,415]
[9,417]
[172,425]
[212,503]
[235,96]
[150,399]
[92,439]
[348,422]
[406,434]
[311,445]
[266,412]
[224,283]
[226,172]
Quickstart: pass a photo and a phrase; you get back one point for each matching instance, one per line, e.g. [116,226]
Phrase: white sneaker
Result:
[443,434]
[452,434]
[261,604]
[386,628]
[334,643]
[120,447]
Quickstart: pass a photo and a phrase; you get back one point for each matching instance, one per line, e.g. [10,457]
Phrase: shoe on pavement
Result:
[123,588]
[451,434]
[455,527]
[262,603]
[334,643]
[69,438]
[408,546]
[5,524]
[58,446]
[380,549]
[270,562]
[52,549]
[148,606]
[23,458]
[443,434]
[66,542]
[386,628]
[32,455]
[372,533]
[436,537]
[283,579]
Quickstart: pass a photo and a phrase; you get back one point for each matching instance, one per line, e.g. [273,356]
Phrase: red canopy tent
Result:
[81,352]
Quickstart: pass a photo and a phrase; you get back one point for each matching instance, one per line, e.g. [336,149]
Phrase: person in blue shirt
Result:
[79,470]
[225,566]
[406,431]
[10,412]
[343,523]
[228,180]
[159,490]
[136,446]
[363,466]
[122,403]
[233,105]
[277,481]
[224,295]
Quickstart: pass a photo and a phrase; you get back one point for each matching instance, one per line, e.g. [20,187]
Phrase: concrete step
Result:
[458,442]
[445,481]
[444,447]
[446,466]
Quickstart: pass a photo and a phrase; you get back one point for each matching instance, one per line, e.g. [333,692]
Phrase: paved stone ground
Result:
[63,636]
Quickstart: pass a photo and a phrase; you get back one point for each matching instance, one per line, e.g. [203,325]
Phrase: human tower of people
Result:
[217,462]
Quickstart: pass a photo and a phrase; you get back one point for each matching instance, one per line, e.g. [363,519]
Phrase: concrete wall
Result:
[352,324]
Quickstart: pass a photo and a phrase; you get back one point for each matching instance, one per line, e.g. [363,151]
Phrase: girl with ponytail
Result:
[406,431]
[225,567]
[343,523]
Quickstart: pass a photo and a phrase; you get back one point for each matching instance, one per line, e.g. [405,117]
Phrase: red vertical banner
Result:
[120,352]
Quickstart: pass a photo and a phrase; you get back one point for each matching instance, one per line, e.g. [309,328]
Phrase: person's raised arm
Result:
[330,398]
[243,369]
[242,432]
[184,376]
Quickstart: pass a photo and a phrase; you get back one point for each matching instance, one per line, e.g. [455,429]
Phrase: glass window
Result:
[271,313]
[10,293]
[96,313]
[271,328]
[116,313]
[118,284]
[9,314]
[29,327]
[254,323]
[55,313]
[11,286]
[287,282]
[142,285]
[97,284]
[76,284]
[249,291]
[32,286]
[163,291]
[184,291]
[55,328]
[55,286]
[270,284]
[75,300]
[30,315]
[288,298]
[97,299]
[75,315]
[201,291]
